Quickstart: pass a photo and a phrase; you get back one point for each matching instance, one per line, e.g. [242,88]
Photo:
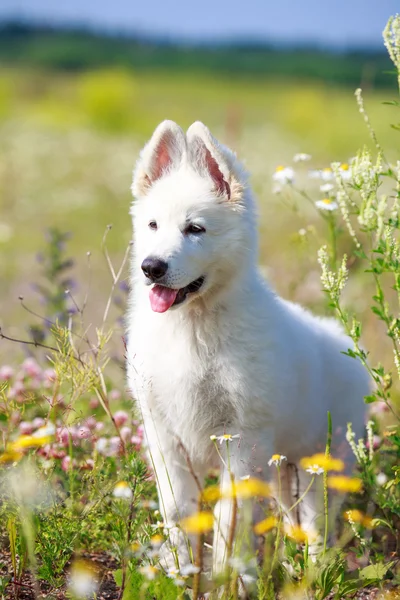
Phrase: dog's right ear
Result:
[161,154]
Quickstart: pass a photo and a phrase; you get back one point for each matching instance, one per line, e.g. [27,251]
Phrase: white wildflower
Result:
[173,573]
[315,470]
[326,187]
[326,204]
[345,172]
[276,459]
[189,569]
[283,175]
[149,571]
[226,437]
[47,430]
[301,157]
[81,581]
[381,479]
[333,282]
[122,490]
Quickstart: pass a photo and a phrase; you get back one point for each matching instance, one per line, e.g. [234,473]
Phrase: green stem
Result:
[278,531]
[303,495]
[327,454]
[333,233]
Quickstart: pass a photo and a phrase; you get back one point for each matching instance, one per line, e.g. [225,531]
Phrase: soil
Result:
[108,590]
[105,565]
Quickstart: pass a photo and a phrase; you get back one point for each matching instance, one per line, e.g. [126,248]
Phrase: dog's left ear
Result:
[207,158]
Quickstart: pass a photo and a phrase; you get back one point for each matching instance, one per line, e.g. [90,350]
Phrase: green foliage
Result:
[84,490]
[78,50]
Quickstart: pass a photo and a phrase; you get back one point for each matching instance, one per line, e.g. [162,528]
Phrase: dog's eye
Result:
[193,228]
[153,225]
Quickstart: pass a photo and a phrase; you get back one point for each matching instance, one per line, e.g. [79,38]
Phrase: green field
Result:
[77,503]
[68,144]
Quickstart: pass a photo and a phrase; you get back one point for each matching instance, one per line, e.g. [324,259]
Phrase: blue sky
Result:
[339,23]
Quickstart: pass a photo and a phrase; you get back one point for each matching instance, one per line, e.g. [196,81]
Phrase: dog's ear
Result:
[207,158]
[162,153]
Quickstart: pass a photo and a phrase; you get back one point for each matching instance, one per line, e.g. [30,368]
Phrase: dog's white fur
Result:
[234,357]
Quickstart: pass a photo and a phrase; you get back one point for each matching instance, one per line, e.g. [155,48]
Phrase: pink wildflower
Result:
[66,463]
[94,402]
[121,417]
[6,373]
[114,395]
[38,422]
[26,427]
[62,436]
[31,368]
[83,432]
[49,377]
[125,433]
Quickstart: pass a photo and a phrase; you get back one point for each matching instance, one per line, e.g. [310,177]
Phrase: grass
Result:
[67,147]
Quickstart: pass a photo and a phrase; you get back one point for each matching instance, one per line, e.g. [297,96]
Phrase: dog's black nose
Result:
[154,268]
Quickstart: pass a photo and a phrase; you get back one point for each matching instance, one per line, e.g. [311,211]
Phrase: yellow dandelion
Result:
[341,483]
[200,522]
[299,535]
[211,494]
[245,488]
[249,488]
[30,441]
[356,516]
[10,456]
[324,462]
[265,525]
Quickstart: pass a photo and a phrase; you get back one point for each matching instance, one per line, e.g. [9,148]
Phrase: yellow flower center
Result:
[326,200]
[344,167]
[279,168]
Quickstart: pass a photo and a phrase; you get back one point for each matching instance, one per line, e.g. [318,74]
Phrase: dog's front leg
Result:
[233,535]
[177,491]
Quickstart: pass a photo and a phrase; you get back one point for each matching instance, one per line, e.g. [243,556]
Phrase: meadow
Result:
[78,509]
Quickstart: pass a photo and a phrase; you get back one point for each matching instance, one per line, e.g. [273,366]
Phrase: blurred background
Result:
[84,83]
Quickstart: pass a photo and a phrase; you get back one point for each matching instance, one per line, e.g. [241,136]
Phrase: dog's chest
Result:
[194,387]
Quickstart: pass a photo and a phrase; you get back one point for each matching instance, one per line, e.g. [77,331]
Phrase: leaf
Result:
[117,577]
[375,572]
[347,587]
[370,399]
[12,534]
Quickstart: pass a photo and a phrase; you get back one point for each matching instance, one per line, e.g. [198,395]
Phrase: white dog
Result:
[211,348]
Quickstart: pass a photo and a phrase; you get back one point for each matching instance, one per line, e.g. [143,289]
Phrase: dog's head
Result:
[193,218]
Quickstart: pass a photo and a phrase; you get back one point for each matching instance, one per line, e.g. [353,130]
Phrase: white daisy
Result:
[276,459]
[326,187]
[226,437]
[345,171]
[149,572]
[315,470]
[283,175]
[326,204]
[301,157]
[122,490]
[189,569]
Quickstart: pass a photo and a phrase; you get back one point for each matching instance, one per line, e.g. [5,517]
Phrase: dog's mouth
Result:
[162,298]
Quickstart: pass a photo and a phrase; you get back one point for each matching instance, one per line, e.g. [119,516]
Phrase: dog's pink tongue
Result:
[162,298]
